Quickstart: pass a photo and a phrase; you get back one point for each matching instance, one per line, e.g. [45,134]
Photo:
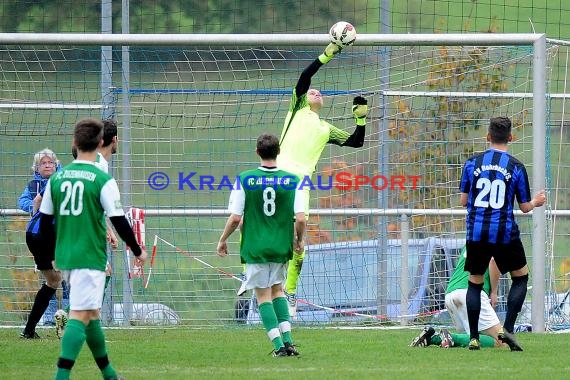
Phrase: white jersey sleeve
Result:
[46,207]
[299,200]
[102,163]
[111,199]
[237,200]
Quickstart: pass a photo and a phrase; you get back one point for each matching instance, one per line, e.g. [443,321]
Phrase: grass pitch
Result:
[243,353]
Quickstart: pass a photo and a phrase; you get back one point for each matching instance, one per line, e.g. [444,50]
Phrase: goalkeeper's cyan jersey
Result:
[460,277]
[78,196]
[268,212]
[304,137]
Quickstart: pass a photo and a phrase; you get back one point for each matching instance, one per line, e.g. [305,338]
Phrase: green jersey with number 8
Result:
[78,196]
[268,199]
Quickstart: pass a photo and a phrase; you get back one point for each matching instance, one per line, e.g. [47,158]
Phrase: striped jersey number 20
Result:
[269,201]
[73,199]
[495,190]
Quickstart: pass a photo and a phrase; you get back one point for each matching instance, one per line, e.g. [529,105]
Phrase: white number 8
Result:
[269,201]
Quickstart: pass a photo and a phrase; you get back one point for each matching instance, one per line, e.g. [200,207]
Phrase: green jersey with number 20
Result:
[78,196]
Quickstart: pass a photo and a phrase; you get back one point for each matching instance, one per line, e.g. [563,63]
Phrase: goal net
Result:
[188,120]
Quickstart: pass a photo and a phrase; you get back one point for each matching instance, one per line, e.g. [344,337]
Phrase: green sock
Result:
[293,272]
[62,374]
[462,340]
[71,343]
[95,339]
[486,341]
[281,308]
[435,340]
[270,323]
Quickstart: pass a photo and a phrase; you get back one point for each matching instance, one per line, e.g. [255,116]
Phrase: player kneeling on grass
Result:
[455,302]
[78,197]
[268,238]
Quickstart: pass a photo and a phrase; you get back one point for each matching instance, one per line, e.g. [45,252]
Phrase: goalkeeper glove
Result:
[330,51]
[360,110]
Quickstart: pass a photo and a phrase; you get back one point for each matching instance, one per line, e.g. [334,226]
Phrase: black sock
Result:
[473,301]
[515,301]
[41,303]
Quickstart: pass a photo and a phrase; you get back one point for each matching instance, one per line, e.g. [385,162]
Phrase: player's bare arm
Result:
[463,199]
[300,226]
[495,276]
[538,200]
[231,225]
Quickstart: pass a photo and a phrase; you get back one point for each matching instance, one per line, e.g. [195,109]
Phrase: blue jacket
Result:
[35,186]
[26,201]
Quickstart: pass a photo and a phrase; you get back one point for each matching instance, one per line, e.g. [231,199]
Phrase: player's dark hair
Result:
[500,130]
[87,134]
[109,131]
[268,146]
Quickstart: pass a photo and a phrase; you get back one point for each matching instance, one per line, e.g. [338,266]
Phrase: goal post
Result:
[186,109]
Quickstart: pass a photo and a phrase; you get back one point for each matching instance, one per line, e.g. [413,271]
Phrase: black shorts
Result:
[509,257]
[42,257]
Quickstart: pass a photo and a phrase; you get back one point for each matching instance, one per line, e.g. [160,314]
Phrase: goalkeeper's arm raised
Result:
[359,111]
[304,81]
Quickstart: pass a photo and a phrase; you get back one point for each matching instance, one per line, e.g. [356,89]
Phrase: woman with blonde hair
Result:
[44,164]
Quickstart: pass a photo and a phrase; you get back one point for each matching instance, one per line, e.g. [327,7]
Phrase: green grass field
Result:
[325,354]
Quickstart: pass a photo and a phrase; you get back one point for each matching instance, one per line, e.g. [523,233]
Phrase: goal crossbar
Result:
[488,39]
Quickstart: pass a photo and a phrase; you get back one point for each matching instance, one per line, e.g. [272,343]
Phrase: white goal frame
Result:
[536,41]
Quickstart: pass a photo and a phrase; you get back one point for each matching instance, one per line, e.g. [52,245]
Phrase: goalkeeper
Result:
[303,139]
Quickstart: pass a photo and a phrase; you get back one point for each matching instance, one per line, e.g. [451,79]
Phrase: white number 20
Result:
[73,198]
[495,190]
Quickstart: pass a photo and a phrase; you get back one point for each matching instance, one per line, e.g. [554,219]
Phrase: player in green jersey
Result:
[104,153]
[304,138]
[455,303]
[78,197]
[267,198]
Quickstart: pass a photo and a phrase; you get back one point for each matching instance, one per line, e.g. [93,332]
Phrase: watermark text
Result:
[344,181]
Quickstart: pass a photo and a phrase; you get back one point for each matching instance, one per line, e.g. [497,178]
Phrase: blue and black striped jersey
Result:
[492,180]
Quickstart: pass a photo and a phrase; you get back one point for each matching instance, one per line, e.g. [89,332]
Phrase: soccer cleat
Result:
[29,335]
[60,317]
[292,301]
[446,338]
[280,352]
[474,344]
[423,339]
[291,349]
[510,340]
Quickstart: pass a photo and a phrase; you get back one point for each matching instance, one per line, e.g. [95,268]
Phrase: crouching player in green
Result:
[455,302]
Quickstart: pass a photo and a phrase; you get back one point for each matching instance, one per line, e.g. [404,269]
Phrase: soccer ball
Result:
[342,34]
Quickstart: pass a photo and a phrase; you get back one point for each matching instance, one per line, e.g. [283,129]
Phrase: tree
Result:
[436,136]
